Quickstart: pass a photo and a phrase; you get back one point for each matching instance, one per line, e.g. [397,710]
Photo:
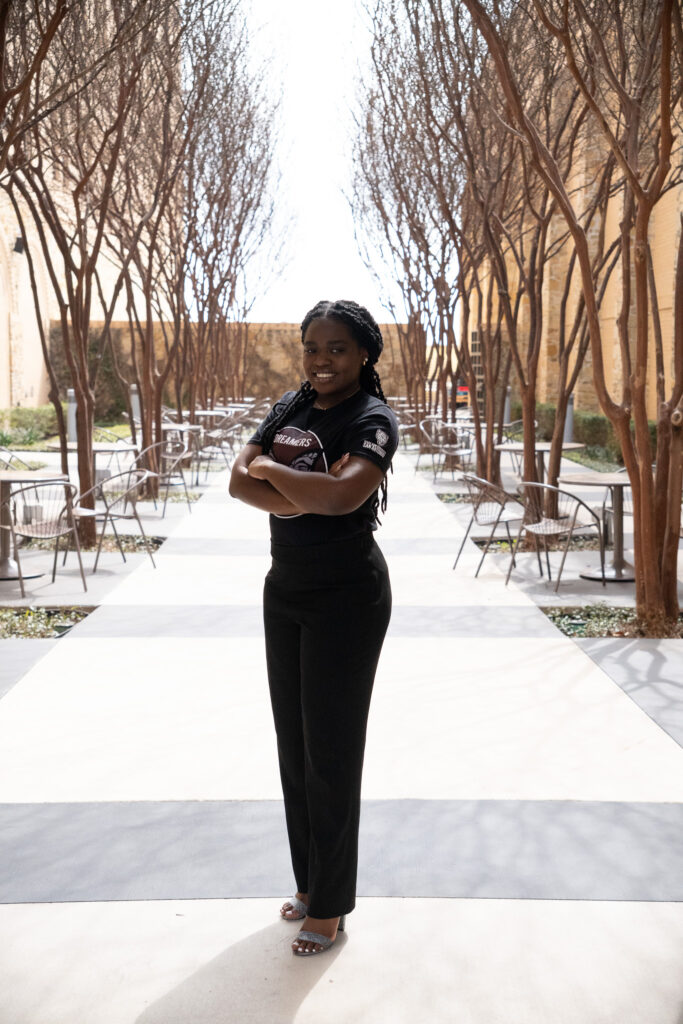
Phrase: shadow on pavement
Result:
[257,979]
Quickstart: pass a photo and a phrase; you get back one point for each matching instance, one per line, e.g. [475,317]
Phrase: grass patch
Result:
[452,498]
[594,457]
[527,544]
[599,620]
[131,544]
[39,623]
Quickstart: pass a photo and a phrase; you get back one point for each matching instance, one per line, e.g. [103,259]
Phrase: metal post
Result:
[135,403]
[569,421]
[71,434]
[508,402]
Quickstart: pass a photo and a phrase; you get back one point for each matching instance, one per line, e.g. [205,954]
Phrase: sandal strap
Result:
[321,940]
[298,905]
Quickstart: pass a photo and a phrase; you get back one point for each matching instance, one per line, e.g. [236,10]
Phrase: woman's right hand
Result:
[336,467]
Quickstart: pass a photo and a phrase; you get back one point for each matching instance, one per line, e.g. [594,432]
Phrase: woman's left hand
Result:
[258,466]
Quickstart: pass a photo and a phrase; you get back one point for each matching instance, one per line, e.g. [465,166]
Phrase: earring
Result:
[365,361]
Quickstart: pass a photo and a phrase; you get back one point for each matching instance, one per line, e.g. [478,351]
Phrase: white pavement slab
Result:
[451,719]
[402,962]
[128,717]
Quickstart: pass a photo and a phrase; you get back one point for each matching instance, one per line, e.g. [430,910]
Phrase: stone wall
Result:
[274,360]
[273,363]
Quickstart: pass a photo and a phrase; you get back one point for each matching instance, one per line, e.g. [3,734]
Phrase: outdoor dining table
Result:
[620,571]
[98,448]
[8,479]
[213,414]
[181,428]
[540,447]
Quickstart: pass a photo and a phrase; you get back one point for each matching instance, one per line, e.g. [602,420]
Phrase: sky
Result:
[315,47]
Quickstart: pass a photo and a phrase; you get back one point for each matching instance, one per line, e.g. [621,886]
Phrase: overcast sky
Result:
[315,47]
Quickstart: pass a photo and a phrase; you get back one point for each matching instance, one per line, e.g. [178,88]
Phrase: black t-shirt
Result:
[312,440]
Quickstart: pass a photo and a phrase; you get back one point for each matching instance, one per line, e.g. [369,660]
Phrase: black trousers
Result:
[326,611]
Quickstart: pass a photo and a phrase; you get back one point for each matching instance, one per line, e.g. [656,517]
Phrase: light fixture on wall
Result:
[19,244]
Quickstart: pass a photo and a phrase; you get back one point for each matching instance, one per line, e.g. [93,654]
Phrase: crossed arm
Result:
[257,480]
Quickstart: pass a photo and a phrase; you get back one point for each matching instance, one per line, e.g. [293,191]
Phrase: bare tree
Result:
[399,202]
[229,183]
[27,31]
[66,171]
[146,220]
[622,59]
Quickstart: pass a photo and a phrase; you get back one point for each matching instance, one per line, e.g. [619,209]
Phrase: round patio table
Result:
[8,478]
[620,571]
[98,448]
[540,447]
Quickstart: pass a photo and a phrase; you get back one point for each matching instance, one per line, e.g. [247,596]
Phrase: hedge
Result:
[25,425]
[590,428]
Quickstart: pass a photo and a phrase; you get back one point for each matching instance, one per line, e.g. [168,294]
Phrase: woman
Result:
[316,463]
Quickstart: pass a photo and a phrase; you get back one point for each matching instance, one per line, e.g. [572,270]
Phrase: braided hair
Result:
[366,333]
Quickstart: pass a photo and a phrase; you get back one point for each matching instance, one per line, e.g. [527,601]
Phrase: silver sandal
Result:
[299,906]
[320,940]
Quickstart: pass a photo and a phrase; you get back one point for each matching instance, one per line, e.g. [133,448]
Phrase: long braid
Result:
[366,332]
[304,396]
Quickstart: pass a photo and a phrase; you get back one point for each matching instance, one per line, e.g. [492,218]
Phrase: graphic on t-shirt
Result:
[299,449]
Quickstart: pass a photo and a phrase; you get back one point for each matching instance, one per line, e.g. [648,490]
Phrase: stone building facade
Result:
[664,235]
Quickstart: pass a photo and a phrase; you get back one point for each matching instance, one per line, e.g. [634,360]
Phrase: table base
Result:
[625,574]
[9,571]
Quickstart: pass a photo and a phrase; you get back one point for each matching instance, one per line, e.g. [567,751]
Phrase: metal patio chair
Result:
[427,438]
[219,445]
[8,460]
[551,512]
[456,450]
[165,459]
[42,511]
[491,506]
[407,424]
[514,431]
[119,496]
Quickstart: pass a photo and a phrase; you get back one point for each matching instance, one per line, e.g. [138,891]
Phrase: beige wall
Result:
[663,235]
[664,239]
[274,360]
[23,379]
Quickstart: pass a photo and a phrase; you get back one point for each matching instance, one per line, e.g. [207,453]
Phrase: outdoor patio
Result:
[523,797]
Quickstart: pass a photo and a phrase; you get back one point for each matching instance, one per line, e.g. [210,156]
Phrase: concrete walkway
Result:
[521,857]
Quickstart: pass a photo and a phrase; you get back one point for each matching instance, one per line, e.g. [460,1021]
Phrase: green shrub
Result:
[40,421]
[590,428]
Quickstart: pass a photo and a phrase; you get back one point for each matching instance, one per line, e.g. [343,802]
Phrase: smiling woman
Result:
[317,463]
[332,361]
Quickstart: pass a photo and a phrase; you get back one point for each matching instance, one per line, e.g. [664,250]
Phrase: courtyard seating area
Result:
[523,792]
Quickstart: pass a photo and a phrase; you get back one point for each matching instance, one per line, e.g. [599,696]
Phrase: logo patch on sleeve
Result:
[381,438]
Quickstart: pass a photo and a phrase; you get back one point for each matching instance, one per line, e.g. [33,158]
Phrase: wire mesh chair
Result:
[102,435]
[407,425]
[220,444]
[427,438]
[491,506]
[164,459]
[457,450]
[8,460]
[514,431]
[119,495]
[553,513]
[443,444]
[449,446]
[42,511]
